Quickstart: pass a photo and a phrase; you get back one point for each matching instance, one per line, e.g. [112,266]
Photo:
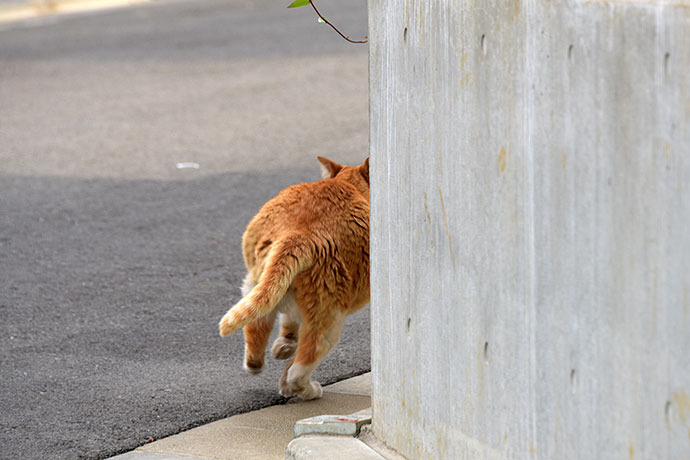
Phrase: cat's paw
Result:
[253,367]
[283,348]
[284,388]
[285,392]
[312,391]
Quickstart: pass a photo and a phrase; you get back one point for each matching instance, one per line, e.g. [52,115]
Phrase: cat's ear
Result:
[328,168]
[364,169]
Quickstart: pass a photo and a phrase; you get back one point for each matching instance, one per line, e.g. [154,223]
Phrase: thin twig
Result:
[334,27]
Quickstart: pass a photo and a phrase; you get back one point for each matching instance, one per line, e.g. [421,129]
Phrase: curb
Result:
[136,455]
[348,425]
[338,437]
[320,447]
[37,8]
[265,434]
[331,437]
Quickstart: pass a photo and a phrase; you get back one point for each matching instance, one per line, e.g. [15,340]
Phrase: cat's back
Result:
[323,210]
[309,206]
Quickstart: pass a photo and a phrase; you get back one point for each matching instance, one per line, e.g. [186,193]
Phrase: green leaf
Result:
[321,20]
[298,3]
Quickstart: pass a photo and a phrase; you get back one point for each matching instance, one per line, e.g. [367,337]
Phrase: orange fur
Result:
[307,257]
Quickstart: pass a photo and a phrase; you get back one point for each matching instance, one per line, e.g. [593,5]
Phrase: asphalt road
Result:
[115,265]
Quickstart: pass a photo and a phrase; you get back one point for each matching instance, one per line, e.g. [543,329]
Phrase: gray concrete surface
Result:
[530,216]
[356,386]
[258,435]
[137,455]
[116,266]
[334,424]
[314,447]
[263,434]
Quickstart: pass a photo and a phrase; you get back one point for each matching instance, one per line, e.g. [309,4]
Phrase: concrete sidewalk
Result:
[266,433]
[18,10]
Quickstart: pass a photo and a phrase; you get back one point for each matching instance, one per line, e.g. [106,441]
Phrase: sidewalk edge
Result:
[37,8]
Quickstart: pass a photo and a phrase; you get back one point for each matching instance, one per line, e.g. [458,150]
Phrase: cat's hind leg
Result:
[315,342]
[256,335]
[286,343]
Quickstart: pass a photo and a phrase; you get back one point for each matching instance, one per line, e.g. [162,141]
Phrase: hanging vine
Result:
[298,3]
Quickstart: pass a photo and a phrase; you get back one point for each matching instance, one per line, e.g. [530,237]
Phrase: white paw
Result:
[283,348]
[253,370]
[315,393]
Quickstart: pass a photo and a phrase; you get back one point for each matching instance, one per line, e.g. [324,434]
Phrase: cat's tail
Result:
[285,260]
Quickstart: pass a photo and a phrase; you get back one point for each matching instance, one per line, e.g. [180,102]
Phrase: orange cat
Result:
[307,257]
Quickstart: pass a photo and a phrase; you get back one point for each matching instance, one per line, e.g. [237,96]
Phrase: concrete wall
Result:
[531,228]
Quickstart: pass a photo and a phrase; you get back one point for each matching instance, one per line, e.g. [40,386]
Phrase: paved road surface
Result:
[115,265]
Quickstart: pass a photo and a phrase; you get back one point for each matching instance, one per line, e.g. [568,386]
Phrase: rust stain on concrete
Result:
[682,403]
[502,159]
